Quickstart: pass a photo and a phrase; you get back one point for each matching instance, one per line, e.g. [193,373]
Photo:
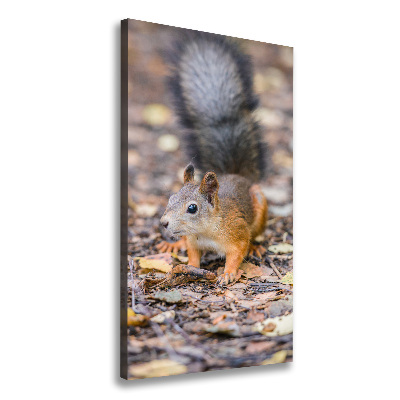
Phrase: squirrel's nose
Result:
[164,224]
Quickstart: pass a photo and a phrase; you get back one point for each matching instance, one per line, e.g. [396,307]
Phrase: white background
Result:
[59,90]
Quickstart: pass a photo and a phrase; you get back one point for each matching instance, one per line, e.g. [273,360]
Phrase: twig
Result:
[182,332]
[204,301]
[275,269]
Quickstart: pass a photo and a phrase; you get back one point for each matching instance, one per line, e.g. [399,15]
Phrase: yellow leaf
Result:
[288,278]
[277,358]
[281,248]
[157,368]
[161,262]
[136,319]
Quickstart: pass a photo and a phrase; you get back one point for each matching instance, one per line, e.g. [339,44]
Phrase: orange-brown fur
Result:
[230,216]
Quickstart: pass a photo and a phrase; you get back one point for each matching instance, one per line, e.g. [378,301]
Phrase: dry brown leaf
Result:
[254,316]
[251,270]
[218,319]
[230,296]
[265,296]
[259,347]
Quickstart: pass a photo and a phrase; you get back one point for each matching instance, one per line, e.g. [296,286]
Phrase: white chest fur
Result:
[208,244]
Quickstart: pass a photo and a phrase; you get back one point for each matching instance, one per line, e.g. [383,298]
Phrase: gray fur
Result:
[211,83]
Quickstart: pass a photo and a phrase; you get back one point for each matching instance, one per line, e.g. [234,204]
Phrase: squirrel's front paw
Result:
[226,278]
[167,247]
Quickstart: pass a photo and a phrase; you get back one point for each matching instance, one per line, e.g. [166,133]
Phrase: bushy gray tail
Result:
[212,86]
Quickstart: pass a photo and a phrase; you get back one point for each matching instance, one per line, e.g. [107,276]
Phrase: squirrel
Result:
[211,83]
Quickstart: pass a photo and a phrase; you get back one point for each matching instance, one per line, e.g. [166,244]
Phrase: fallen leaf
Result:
[277,358]
[161,262]
[238,286]
[156,114]
[281,248]
[173,296]
[254,316]
[136,319]
[259,347]
[288,278]
[157,368]
[248,303]
[230,296]
[229,328]
[280,326]
[279,307]
[168,143]
[213,298]
[251,270]
[160,318]
[218,319]
[182,259]
[265,296]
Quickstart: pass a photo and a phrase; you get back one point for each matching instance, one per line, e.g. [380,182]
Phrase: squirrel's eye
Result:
[192,208]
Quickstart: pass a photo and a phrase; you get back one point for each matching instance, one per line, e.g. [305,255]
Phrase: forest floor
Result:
[191,324]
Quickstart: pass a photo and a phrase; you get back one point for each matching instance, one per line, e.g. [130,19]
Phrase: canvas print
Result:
[206,202]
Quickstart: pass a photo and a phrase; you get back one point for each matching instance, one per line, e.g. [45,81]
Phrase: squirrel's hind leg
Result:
[257,250]
[168,247]
[260,209]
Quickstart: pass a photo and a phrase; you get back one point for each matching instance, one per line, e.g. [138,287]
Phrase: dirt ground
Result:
[193,325]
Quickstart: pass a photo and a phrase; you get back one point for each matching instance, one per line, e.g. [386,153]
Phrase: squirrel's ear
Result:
[188,175]
[209,187]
